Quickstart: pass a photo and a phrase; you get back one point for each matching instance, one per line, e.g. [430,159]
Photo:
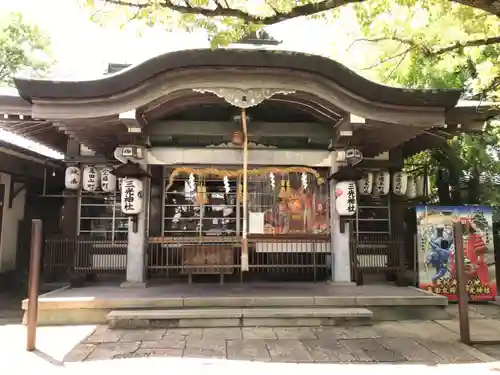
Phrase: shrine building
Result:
[236,165]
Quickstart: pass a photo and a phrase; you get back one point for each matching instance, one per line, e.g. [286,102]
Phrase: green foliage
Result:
[438,44]
[22,46]
[225,21]
[416,44]
[426,44]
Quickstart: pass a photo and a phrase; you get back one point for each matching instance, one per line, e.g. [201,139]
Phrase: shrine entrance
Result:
[203,221]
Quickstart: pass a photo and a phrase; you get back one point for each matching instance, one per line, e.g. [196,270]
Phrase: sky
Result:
[82,49]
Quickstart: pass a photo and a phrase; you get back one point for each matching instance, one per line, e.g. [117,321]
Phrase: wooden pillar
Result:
[397,203]
[70,216]
[156,201]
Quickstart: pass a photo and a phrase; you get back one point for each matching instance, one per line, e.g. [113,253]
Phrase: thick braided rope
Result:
[238,172]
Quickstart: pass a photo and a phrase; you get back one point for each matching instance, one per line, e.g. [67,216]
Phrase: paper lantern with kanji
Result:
[382,183]
[132,193]
[411,188]
[108,180]
[90,179]
[399,183]
[72,178]
[345,198]
[365,185]
[422,185]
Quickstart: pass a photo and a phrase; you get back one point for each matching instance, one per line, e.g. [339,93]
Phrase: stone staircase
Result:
[238,305]
[285,316]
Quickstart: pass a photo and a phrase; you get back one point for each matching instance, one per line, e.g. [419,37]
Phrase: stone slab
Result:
[175,314]
[258,333]
[134,284]
[73,306]
[143,335]
[297,333]
[166,342]
[230,317]
[113,350]
[288,351]
[103,334]
[229,333]
[218,302]
[173,323]
[311,312]
[212,313]
[208,323]
[425,300]
[325,350]
[248,350]
[370,350]
[302,322]
[409,312]
[409,349]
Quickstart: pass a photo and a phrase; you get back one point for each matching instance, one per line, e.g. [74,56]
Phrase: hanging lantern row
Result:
[402,184]
[90,179]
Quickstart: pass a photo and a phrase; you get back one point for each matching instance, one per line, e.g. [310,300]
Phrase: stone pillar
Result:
[340,252]
[137,246]
[137,243]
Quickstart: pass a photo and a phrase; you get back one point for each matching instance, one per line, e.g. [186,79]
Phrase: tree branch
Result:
[433,52]
[220,11]
[403,54]
[403,57]
[469,43]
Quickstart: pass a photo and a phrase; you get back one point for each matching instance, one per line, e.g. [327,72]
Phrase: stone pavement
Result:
[428,342]
[389,342]
[404,342]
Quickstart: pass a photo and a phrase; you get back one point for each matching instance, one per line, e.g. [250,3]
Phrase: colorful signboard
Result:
[436,250]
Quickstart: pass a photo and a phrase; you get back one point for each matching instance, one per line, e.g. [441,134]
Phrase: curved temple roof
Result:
[90,111]
[227,58]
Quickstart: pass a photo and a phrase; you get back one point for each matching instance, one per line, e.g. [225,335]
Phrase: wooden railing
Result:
[300,257]
[377,254]
[64,257]
[270,257]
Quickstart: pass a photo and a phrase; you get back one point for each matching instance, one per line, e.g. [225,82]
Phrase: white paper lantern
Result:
[382,183]
[365,185]
[421,186]
[345,198]
[73,178]
[132,196]
[108,180]
[90,179]
[411,188]
[399,183]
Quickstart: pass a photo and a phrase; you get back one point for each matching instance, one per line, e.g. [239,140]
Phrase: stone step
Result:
[235,317]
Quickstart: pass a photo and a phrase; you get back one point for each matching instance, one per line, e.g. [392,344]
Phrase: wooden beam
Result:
[96,160]
[342,133]
[221,129]
[129,119]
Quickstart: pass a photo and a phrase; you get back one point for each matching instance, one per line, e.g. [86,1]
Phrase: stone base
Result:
[238,317]
[90,305]
[133,284]
[341,283]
